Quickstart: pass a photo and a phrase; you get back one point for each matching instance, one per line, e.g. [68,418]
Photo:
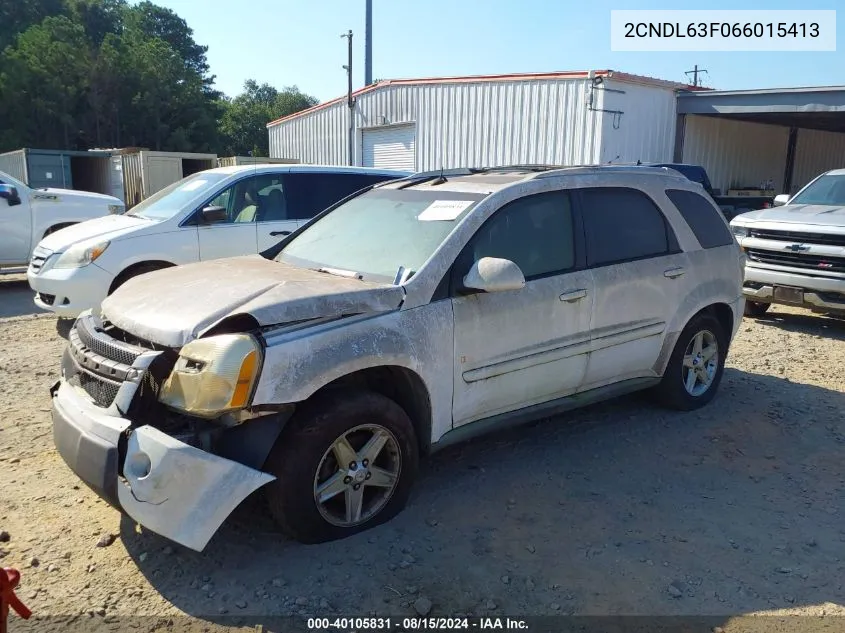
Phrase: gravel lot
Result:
[621,509]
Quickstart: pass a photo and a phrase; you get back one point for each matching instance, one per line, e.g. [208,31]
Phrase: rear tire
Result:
[695,367]
[756,309]
[316,498]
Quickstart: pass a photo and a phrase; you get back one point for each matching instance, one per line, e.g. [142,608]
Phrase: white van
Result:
[216,213]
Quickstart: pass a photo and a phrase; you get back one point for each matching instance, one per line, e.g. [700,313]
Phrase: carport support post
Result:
[791,144]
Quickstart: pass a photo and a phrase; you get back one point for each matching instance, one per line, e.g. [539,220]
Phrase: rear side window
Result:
[623,224]
[311,193]
[703,218]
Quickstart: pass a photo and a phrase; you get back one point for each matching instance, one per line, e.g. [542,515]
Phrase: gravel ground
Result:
[618,509]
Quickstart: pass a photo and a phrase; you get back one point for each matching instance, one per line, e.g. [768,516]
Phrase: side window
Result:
[253,199]
[535,232]
[311,193]
[622,224]
[703,218]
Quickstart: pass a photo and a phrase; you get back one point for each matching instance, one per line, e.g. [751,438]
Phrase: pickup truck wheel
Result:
[755,309]
[695,367]
[343,464]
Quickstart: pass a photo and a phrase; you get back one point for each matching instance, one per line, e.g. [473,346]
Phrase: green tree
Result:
[16,16]
[45,74]
[243,127]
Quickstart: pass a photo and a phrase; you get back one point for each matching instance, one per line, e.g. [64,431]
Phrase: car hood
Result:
[799,214]
[176,305]
[107,227]
[51,194]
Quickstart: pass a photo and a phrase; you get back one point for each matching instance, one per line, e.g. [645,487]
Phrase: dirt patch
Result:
[621,508]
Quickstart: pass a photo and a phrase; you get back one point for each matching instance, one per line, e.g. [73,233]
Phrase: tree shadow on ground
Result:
[619,508]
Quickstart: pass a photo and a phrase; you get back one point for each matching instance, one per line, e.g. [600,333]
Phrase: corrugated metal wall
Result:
[14,164]
[736,153]
[458,124]
[133,178]
[645,129]
[816,152]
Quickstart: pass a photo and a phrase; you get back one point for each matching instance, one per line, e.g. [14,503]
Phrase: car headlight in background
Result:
[116,209]
[80,255]
[739,231]
[213,375]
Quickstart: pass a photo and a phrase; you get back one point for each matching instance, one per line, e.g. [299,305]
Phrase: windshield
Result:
[378,232]
[166,203]
[826,190]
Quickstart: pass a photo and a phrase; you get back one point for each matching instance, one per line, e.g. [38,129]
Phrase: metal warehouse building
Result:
[554,118]
[743,138]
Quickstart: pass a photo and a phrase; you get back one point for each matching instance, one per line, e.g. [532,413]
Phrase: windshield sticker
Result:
[443,210]
[191,186]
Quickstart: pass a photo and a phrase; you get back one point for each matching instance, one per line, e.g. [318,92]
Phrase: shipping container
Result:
[232,161]
[423,124]
[14,164]
[145,172]
[60,169]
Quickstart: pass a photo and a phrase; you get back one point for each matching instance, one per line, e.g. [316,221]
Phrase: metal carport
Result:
[747,134]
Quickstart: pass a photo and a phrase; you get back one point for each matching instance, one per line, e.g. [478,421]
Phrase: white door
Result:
[235,235]
[390,147]
[640,280]
[522,347]
[160,171]
[15,226]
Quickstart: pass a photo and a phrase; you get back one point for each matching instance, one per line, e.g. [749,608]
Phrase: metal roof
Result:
[813,107]
[549,76]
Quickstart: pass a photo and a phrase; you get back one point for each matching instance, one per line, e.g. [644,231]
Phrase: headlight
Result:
[115,209]
[739,231]
[213,375]
[80,255]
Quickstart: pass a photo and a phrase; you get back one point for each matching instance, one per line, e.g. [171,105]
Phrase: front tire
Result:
[696,365]
[756,309]
[343,464]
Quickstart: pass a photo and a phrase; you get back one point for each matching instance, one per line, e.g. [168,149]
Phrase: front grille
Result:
[101,343]
[826,239]
[797,260]
[102,391]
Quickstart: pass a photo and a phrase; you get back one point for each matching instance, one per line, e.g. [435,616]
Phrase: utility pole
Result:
[368,45]
[349,100]
[695,72]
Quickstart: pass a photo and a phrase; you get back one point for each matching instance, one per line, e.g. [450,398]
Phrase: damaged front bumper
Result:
[174,489]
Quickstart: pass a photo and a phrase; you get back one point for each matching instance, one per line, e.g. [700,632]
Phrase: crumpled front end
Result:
[175,474]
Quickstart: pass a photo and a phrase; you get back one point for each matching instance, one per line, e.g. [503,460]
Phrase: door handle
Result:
[573,295]
[672,273]
[275,233]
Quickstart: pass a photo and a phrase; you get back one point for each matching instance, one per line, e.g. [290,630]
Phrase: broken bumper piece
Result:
[169,487]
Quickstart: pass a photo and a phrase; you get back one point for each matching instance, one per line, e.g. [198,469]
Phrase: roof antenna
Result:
[441,179]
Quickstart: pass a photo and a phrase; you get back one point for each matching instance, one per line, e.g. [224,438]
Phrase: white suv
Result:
[415,314]
[211,214]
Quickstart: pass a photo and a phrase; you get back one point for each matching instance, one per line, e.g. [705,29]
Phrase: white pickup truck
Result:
[27,215]
[795,252]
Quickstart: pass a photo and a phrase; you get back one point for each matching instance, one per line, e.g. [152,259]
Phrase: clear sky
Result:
[297,42]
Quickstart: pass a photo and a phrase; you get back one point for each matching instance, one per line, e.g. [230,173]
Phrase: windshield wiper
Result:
[340,272]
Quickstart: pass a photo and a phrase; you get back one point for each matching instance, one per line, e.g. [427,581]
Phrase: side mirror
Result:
[781,200]
[214,214]
[491,274]
[10,194]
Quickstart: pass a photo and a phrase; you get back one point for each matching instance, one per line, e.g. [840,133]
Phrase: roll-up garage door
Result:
[390,147]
